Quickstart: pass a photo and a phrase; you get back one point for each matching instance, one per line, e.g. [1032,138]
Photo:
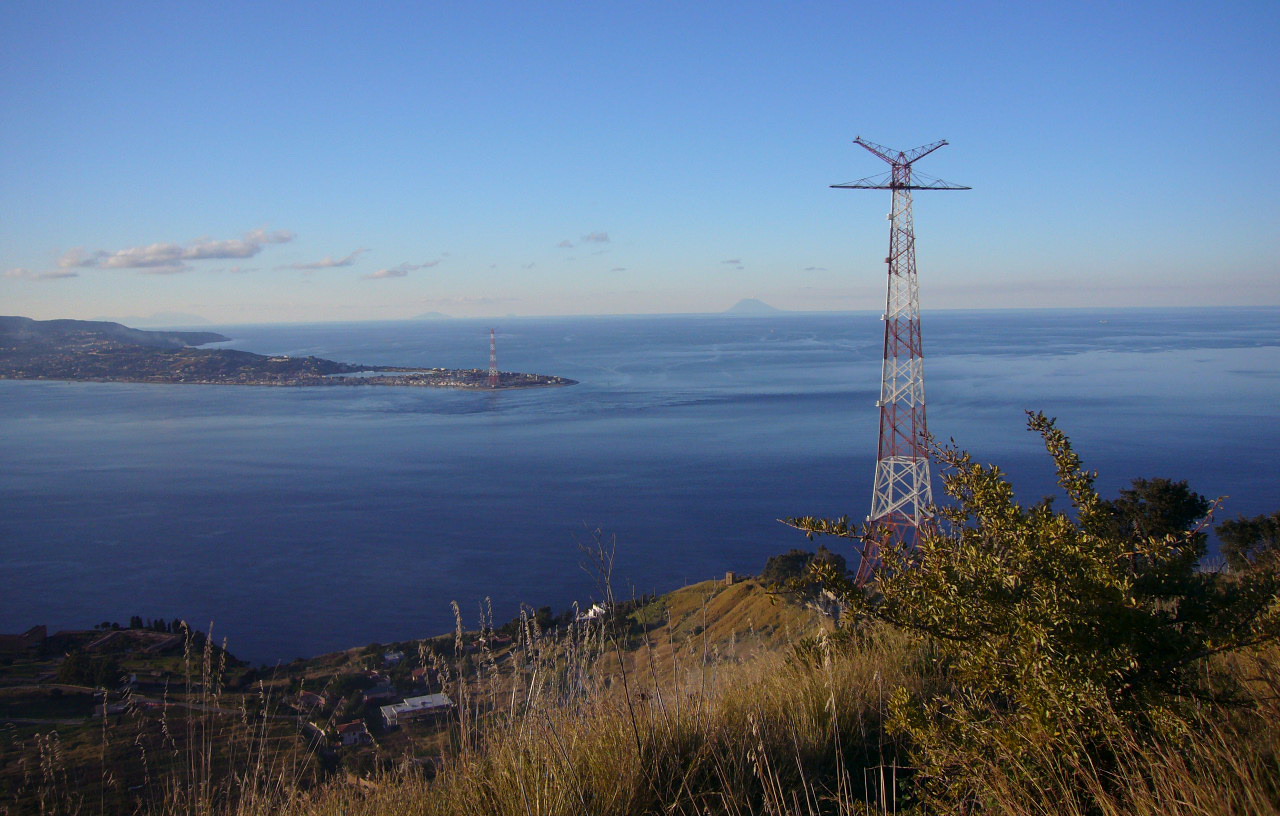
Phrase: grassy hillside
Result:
[710,699]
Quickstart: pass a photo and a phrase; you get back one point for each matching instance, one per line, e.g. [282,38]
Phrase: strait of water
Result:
[304,520]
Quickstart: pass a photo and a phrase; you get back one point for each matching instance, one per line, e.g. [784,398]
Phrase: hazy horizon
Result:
[152,322]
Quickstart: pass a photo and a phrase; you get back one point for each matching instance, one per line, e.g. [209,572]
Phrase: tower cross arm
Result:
[885,181]
[899,157]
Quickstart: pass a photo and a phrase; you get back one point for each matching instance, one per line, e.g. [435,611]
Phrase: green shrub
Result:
[1249,543]
[1052,623]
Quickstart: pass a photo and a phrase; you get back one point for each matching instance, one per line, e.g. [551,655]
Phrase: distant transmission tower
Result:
[903,490]
[493,358]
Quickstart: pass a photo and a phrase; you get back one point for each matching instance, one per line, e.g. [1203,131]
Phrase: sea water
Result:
[303,520]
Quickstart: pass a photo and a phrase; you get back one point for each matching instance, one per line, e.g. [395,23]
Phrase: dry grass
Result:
[694,719]
[776,734]
[194,752]
[1211,765]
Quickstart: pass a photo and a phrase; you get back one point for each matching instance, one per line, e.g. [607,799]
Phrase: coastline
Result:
[469,380]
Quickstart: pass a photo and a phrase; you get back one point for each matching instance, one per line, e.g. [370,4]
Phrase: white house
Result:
[416,708]
[354,733]
[596,611]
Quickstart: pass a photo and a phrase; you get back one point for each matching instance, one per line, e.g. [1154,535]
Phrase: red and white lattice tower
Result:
[493,358]
[903,490]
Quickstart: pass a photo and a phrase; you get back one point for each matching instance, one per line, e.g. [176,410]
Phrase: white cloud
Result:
[27,274]
[222,249]
[79,258]
[168,258]
[328,262]
[154,255]
[261,236]
[596,238]
[400,271]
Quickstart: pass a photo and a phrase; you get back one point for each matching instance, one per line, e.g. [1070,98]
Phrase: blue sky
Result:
[255,162]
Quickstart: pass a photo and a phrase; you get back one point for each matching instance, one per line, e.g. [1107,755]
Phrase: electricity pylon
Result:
[903,490]
[493,358]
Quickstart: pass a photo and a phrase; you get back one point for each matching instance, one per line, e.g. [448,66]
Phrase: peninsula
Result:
[99,351]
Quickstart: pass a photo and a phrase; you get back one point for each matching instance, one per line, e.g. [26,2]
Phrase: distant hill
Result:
[431,316]
[158,319]
[25,331]
[752,307]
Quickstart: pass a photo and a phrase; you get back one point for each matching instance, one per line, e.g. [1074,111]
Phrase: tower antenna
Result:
[493,358]
[903,491]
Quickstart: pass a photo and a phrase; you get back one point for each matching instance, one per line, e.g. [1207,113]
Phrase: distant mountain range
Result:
[752,307]
[28,332]
[158,319]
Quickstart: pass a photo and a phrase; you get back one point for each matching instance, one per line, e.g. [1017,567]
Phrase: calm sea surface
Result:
[305,520]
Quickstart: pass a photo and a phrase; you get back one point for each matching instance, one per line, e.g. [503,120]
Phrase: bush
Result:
[82,669]
[794,569]
[1248,543]
[784,567]
[1054,623]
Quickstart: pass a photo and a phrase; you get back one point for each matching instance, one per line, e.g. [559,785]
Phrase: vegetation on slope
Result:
[1059,632]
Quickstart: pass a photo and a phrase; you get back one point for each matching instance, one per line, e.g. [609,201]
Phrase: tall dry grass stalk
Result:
[548,731]
[1211,764]
[192,752]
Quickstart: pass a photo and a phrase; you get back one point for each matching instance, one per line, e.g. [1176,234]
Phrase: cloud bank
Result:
[169,258]
[327,262]
[399,271]
[27,274]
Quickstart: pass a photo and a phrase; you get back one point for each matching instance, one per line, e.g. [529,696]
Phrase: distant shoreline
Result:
[86,351]
[457,378]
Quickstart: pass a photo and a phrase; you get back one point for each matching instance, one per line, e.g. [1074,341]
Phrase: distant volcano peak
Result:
[752,306]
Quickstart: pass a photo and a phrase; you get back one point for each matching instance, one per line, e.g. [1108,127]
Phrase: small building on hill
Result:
[414,709]
[354,733]
[596,612]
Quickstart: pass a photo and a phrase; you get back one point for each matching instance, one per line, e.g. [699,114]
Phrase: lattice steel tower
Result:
[493,358]
[903,490]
